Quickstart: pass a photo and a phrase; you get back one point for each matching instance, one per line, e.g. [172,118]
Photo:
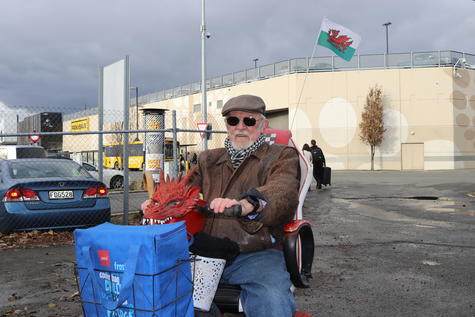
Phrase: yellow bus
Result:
[113,154]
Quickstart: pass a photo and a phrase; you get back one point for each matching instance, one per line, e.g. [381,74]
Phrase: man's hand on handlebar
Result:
[219,204]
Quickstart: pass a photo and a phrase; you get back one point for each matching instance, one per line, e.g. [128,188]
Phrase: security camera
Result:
[208,35]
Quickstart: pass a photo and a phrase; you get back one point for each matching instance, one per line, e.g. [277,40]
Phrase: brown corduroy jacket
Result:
[273,170]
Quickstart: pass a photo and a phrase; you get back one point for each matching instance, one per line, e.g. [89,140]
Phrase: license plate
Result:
[61,194]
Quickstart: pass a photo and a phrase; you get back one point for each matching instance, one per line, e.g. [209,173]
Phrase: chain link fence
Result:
[71,189]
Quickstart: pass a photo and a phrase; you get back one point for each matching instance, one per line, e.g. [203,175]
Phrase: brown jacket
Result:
[273,170]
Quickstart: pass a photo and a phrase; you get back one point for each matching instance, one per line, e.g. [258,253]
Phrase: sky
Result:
[51,50]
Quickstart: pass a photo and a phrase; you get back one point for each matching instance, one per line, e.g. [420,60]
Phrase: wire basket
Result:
[167,293]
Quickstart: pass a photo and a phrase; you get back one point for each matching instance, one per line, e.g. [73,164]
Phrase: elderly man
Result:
[264,180]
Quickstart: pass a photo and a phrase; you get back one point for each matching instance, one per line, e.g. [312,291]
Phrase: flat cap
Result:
[247,103]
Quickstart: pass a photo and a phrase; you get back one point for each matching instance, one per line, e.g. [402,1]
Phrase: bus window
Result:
[136,149]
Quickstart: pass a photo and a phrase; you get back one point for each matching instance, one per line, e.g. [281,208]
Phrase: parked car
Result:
[12,152]
[112,178]
[49,194]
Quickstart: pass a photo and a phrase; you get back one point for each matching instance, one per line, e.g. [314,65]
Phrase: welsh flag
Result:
[342,41]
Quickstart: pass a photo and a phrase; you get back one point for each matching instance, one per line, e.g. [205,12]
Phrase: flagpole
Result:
[336,43]
[303,84]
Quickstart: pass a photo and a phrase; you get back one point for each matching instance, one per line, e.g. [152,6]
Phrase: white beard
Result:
[241,147]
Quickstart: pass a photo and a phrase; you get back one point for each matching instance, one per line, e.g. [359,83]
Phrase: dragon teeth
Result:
[148,221]
[145,221]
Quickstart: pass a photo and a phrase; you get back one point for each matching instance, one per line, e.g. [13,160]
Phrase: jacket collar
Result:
[259,153]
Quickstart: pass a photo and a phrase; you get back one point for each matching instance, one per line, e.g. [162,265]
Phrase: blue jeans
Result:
[265,283]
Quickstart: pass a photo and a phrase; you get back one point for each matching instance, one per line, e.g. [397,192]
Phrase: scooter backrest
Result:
[284,137]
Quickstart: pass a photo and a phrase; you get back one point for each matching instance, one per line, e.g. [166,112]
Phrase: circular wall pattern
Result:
[460,101]
[471,102]
[301,127]
[469,134]
[462,119]
[396,133]
[439,148]
[367,166]
[337,122]
[464,80]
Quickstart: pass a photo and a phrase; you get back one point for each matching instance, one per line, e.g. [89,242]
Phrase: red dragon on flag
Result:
[338,39]
[340,42]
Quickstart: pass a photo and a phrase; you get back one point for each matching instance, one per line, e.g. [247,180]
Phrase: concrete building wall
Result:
[426,110]
[80,142]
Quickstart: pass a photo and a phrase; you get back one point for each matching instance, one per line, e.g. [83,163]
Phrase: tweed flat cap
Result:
[248,103]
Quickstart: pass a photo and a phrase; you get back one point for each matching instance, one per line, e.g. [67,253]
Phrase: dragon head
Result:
[175,200]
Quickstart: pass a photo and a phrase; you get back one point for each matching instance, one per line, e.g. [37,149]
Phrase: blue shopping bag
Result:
[134,270]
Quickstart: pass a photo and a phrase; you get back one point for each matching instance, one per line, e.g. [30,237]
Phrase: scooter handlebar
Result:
[233,211]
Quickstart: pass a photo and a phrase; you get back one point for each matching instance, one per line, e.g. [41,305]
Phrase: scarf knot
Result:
[237,157]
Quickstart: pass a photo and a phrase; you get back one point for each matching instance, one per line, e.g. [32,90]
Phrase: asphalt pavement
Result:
[387,244]
[393,244]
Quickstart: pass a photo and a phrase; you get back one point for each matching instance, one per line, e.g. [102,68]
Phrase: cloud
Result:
[52,49]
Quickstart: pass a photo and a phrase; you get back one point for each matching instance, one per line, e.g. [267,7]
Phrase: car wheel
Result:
[116,165]
[117,182]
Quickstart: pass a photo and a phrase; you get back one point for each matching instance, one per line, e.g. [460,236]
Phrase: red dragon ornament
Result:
[174,200]
[341,42]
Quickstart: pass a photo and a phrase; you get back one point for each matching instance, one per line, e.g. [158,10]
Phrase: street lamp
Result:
[255,62]
[136,111]
[387,24]
[204,36]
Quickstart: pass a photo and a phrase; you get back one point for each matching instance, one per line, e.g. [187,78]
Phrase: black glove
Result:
[213,247]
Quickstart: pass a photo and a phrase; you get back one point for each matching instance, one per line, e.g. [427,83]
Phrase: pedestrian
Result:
[318,161]
[307,153]
[264,180]
[181,160]
[194,159]
[308,157]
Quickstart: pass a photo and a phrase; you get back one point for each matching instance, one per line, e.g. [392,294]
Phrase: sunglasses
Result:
[248,121]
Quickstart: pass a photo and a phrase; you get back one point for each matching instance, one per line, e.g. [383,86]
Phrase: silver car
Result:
[112,178]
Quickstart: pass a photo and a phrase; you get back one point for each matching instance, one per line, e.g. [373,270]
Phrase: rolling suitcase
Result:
[327,176]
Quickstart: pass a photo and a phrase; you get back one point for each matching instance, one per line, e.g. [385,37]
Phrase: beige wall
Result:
[82,142]
[428,106]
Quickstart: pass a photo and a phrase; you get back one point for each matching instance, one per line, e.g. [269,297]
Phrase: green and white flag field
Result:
[342,41]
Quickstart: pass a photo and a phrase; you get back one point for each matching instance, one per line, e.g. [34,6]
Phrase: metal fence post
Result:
[175,169]
[125,161]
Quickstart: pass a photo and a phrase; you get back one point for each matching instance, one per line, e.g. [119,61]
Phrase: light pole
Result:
[387,24]
[255,62]
[136,110]
[204,36]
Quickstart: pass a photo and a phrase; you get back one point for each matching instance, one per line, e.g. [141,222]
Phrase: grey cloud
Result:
[52,49]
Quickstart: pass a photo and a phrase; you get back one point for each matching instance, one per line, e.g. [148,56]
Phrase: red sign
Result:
[104,257]
[34,138]
[202,127]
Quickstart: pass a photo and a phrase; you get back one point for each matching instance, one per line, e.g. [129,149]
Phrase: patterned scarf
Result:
[237,157]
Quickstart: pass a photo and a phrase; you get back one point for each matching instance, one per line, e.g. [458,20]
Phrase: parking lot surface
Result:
[387,244]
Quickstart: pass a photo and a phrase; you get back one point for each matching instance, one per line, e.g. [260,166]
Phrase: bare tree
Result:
[372,125]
